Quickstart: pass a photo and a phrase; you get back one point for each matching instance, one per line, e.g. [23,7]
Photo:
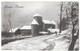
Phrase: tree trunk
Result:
[71,47]
[61,15]
[74,38]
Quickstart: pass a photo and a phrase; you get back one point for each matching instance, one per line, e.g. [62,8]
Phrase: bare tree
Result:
[72,11]
[72,16]
[75,23]
[8,14]
[61,14]
[9,20]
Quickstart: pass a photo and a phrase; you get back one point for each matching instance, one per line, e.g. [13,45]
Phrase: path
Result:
[47,42]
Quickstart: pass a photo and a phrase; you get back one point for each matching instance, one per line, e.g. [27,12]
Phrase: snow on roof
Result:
[47,22]
[13,30]
[36,14]
[26,27]
[53,22]
[34,22]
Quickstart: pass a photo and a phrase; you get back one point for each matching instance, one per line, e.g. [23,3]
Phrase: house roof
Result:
[53,22]
[37,15]
[35,22]
[26,27]
[47,22]
[13,30]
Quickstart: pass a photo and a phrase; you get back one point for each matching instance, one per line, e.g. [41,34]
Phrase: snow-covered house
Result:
[44,24]
[15,31]
[38,18]
[25,30]
[38,24]
[47,24]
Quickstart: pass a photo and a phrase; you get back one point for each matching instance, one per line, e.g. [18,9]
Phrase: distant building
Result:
[39,25]
[13,30]
[25,30]
[38,18]
[46,24]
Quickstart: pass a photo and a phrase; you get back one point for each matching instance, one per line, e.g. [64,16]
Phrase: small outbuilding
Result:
[15,31]
[25,30]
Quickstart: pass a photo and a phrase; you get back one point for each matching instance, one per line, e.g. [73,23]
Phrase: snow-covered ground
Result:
[41,43]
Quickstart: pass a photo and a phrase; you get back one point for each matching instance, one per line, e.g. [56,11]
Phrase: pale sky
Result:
[24,16]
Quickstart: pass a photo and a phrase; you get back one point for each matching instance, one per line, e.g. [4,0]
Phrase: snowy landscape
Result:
[40,26]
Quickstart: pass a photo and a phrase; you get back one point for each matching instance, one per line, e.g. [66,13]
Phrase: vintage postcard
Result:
[40,26]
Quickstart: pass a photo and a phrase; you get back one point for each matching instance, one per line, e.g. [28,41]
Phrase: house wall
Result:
[46,26]
[53,26]
[18,32]
[35,30]
[39,20]
[25,32]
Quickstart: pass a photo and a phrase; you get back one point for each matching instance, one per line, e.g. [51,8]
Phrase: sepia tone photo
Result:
[40,26]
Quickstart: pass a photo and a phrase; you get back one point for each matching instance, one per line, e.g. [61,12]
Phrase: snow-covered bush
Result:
[53,31]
